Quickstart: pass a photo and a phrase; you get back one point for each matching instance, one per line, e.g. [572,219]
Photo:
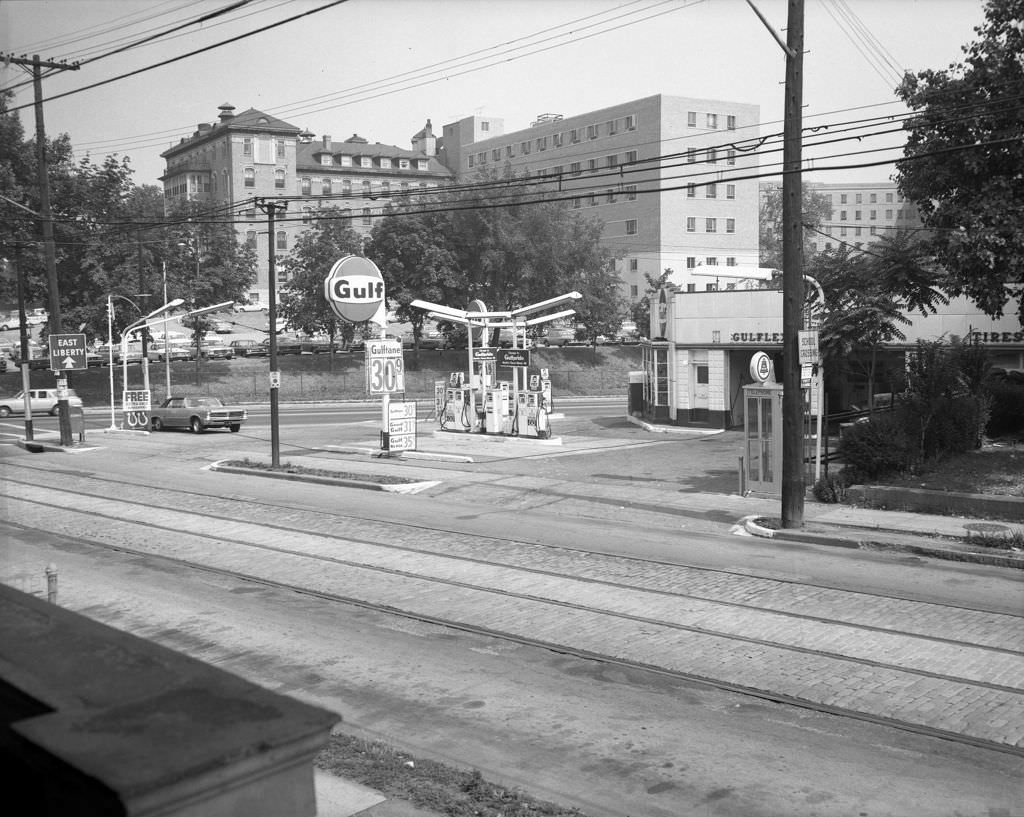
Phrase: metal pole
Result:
[110,356]
[167,354]
[792,271]
[26,380]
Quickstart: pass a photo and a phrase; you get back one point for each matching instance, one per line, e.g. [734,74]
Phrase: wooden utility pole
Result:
[46,220]
[271,208]
[792,275]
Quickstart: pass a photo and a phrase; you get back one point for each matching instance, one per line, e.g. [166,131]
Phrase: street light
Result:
[124,341]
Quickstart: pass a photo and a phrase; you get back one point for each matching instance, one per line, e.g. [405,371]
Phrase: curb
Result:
[343,482]
[865,542]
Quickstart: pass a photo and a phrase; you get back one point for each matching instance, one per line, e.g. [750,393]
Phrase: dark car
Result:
[249,348]
[291,345]
[197,414]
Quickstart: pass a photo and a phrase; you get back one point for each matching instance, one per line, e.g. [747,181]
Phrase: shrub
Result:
[830,489]
[1007,412]
[877,447]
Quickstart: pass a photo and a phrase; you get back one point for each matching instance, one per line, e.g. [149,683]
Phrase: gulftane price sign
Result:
[385,368]
[67,353]
[354,288]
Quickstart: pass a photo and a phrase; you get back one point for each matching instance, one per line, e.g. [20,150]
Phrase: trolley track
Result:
[732,630]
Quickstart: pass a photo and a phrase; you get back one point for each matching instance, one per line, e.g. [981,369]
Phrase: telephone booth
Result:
[762,427]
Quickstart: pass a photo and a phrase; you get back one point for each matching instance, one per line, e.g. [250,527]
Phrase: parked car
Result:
[223,327]
[292,344]
[558,336]
[37,317]
[505,340]
[215,350]
[196,414]
[41,401]
[9,321]
[175,351]
[240,307]
[249,348]
[281,323]
[627,333]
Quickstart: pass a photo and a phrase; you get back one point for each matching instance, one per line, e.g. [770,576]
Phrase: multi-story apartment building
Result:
[665,174]
[253,155]
[862,212]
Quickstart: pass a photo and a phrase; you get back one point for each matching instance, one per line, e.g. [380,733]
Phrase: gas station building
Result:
[698,361]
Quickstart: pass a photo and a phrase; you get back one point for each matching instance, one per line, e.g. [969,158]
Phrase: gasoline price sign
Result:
[385,369]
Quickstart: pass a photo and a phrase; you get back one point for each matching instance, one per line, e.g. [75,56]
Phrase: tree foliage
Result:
[816,209]
[964,160]
[303,304]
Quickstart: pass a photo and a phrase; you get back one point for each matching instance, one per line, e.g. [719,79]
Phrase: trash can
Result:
[635,403]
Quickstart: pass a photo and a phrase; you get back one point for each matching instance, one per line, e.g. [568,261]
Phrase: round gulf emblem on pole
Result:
[354,288]
[760,367]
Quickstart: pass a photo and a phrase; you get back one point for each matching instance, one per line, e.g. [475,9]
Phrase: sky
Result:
[382,68]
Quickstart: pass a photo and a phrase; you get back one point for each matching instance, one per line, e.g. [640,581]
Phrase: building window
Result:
[592,199]
[691,287]
[279,179]
[250,177]
[730,261]
[326,159]
[711,225]
[691,191]
[557,170]
[856,215]
[691,263]
[367,218]
[247,146]
[710,191]
[856,231]
[874,230]
[630,192]
[612,161]
[712,156]
[307,187]
[873,215]
[485,125]
[888,215]
[874,198]
[859,199]
[842,198]
[691,119]
[634,291]
[496,154]
[593,131]
[525,148]
[730,191]
[307,215]
[630,122]
[510,151]
[612,126]
[711,261]
[556,140]
[631,227]
[691,155]
[634,265]
[542,143]
[712,120]
[842,215]
[730,157]
[385,187]
[842,232]
[631,156]
[592,165]
[730,122]
[366,188]
[691,224]
[610,196]
[325,187]
[280,148]
[574,135]
[711,287]
[346,187]
[365,161]
[576,203]
[282,240]
[472,160]
[730,225]
[250,238]
[574,168]
[385,164]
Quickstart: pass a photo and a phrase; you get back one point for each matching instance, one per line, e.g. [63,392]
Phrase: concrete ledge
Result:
[368,483]
[944,503]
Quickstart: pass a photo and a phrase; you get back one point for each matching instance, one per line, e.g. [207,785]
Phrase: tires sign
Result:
[354,288]
[385,368]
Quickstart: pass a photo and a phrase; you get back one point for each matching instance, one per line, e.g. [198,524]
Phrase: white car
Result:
[42,401]
[250,308]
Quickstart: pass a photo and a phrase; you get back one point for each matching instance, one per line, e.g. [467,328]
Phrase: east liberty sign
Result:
[354,288]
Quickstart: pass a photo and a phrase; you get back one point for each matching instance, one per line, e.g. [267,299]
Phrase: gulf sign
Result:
[354,288]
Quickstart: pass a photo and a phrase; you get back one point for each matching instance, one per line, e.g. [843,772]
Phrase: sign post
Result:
[810,356]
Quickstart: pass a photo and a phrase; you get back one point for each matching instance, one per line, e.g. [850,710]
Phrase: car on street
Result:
[558,336]
[223,327]
[37,317]
[175,351]
[240,307]
[249,348]
[9,321]
[291,344]
[196,414]
[41,401]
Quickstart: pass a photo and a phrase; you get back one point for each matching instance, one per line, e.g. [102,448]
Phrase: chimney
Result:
[227,112]
[425,141]
[203,128]
[326,141]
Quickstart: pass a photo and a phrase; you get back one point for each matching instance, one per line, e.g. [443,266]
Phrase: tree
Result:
[303,304]
[641,311]
[964,160]
[815,209]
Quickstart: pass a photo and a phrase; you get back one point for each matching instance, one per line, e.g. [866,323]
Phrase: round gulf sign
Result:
[354,288]
[760,367]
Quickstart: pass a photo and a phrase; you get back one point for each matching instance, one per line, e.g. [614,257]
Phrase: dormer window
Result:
[365,161]
[385,164]
[422,164]
[345,161]
[403,164]
[326,159]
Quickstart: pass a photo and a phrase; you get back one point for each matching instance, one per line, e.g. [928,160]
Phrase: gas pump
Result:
[495,409]
[455,409]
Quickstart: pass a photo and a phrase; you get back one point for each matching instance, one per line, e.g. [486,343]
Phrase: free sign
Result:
[354,288]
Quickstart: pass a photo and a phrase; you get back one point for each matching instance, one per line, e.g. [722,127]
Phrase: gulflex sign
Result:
[354,288]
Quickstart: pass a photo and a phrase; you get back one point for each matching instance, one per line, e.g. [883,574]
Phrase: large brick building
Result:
[254,155]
